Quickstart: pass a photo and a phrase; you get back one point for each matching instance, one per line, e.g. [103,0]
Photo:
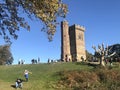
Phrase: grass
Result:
[43,77]
[52,76]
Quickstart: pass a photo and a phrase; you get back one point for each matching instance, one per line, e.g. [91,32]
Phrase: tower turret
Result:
[65,41]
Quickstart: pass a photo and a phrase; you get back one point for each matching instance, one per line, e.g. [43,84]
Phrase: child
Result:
[26,72]
[18,83]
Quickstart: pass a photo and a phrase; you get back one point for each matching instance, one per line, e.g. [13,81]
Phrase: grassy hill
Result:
[51,76]
[43,77]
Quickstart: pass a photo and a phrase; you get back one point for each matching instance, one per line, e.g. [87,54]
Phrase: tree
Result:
[5,55]
[103,52]
[45,10]
[88,55]
[115,48]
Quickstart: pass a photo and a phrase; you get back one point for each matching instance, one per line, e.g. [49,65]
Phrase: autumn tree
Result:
[46,10]
[5,55]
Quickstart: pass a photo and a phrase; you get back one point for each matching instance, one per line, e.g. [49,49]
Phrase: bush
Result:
[101,79]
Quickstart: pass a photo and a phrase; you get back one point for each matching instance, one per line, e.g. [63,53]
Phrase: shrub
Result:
[101,79]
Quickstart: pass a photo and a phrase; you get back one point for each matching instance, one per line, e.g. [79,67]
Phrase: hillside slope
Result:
[43,77]
[62,76]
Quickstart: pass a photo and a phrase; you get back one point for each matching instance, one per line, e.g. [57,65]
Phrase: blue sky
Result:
[101,18]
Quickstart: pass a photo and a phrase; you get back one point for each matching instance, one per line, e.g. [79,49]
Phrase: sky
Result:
[101,19]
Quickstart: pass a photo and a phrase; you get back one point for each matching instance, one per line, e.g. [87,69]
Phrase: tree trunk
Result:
[102,63]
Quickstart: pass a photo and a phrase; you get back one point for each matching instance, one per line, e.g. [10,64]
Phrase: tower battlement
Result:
[79,27]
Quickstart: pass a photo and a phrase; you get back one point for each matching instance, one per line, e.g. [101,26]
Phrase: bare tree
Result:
[102,52]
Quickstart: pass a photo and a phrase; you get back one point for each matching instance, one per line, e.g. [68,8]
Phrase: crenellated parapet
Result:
[79,27]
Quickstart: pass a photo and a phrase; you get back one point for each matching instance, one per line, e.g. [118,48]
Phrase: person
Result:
[18,83]
[19,61]
[26,74]
[111,60]
[38,60]
[82,58]
[48,60]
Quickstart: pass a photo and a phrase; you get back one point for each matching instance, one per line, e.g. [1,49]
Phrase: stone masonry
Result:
[72,42]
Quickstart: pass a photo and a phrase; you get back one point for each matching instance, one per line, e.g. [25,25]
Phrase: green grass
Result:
[60,76]
[43,77]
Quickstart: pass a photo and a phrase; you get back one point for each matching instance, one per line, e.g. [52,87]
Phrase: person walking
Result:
[26,74]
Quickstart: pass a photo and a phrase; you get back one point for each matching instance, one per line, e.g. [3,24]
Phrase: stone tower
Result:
[77,42]
[72,42]
[65,45]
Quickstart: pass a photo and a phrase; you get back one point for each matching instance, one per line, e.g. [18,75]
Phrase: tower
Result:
[77,42]
[72,42]
[65,45]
